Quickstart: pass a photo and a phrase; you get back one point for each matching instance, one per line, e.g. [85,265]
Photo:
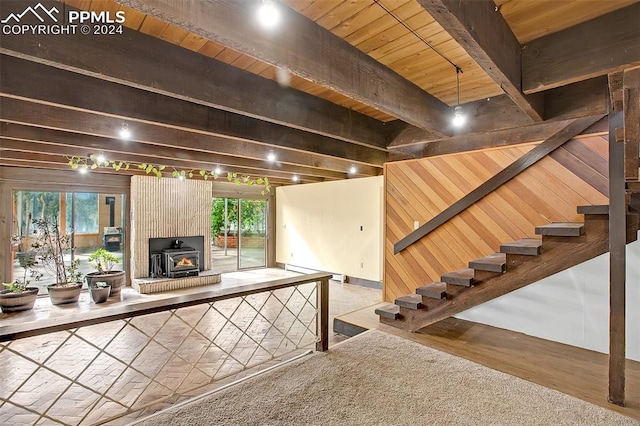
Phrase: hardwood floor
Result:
[574,371]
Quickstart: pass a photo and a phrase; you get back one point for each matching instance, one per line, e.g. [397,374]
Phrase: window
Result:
[86,212]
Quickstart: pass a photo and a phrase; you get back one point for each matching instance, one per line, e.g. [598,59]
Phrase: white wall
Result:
[570,307]
[318,226]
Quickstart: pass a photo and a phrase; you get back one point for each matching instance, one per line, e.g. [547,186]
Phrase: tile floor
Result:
[343,298]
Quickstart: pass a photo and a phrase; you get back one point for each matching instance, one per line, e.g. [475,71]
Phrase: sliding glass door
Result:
[239,233]
[95,221]
[252,241]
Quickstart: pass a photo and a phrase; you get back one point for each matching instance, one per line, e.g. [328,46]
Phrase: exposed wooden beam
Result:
[58,118]
[617,260]
[45,140]
[498,120]
[483,33]
[603,45]
[505,175]
[133,59]
[307,50]
[33,151]
[60,87]
[631,109]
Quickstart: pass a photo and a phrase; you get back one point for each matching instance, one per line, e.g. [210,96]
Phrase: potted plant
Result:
[104,261]
[51,247]
[17,296]
[99,291]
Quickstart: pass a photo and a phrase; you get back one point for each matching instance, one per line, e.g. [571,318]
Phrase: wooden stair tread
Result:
[525,246]
[493,263]
[633,186]
[460,277]
[435,290]
[389,311]
[561,229]
[410,301]
[594,209]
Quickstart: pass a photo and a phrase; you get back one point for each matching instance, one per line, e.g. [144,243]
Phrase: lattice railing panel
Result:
[95,373]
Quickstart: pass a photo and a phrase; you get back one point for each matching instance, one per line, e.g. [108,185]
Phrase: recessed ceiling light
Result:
[100,158]
[217,170]
[295,178]
[271,156]
[353,170]
[268,15]
[83,170]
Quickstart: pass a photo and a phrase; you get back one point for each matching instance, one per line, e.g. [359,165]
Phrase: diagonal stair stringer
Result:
[558,254]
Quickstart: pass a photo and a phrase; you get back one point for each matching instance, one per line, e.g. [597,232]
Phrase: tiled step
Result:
[525,246]
[561,229]
[410,301]
[594,209]
[460,277]
[493,263]
[437,290]
[389,311]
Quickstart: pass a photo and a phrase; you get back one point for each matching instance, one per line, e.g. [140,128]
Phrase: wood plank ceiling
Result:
[341,84]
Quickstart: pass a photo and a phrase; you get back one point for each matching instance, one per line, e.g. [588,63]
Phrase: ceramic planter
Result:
[61,294]
[16,302]
[99,295]
[115,279]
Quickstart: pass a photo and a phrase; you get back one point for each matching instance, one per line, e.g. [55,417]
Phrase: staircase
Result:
[560,246]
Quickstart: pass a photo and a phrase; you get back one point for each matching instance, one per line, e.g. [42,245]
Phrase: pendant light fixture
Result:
[458,117]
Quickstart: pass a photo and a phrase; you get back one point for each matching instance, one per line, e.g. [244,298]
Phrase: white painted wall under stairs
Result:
[570,307]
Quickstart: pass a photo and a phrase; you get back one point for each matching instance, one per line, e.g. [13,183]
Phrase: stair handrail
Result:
[555,141]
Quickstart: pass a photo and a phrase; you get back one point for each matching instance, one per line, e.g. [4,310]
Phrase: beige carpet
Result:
[380,379]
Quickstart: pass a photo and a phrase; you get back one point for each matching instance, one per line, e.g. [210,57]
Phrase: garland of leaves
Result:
[92,162]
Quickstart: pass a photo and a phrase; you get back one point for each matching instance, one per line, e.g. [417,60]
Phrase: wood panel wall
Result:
[167,208]
[417,190]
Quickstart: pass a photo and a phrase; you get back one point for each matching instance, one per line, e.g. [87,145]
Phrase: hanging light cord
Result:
[458,69]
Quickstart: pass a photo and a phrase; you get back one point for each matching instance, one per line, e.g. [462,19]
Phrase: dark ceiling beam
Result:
[49,164]
[60,87]
[582,99]
[307,50]
[58,118]
[484,34]
[498,138]
[597,47]
[84,145]
[37,150]
[136,60]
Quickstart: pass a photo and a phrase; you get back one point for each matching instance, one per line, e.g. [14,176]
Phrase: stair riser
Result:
[595,223]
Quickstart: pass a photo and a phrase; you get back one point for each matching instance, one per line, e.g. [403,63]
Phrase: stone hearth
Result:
[156,285]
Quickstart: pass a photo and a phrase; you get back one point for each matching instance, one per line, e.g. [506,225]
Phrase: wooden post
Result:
[617,246]
[323,312]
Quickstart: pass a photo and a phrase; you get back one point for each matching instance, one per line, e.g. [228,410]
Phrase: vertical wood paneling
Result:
[166,208]
[417,190]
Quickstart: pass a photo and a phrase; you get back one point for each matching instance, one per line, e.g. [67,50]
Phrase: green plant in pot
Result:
[52,246]
[17,296]
[99,291]
[104,261]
